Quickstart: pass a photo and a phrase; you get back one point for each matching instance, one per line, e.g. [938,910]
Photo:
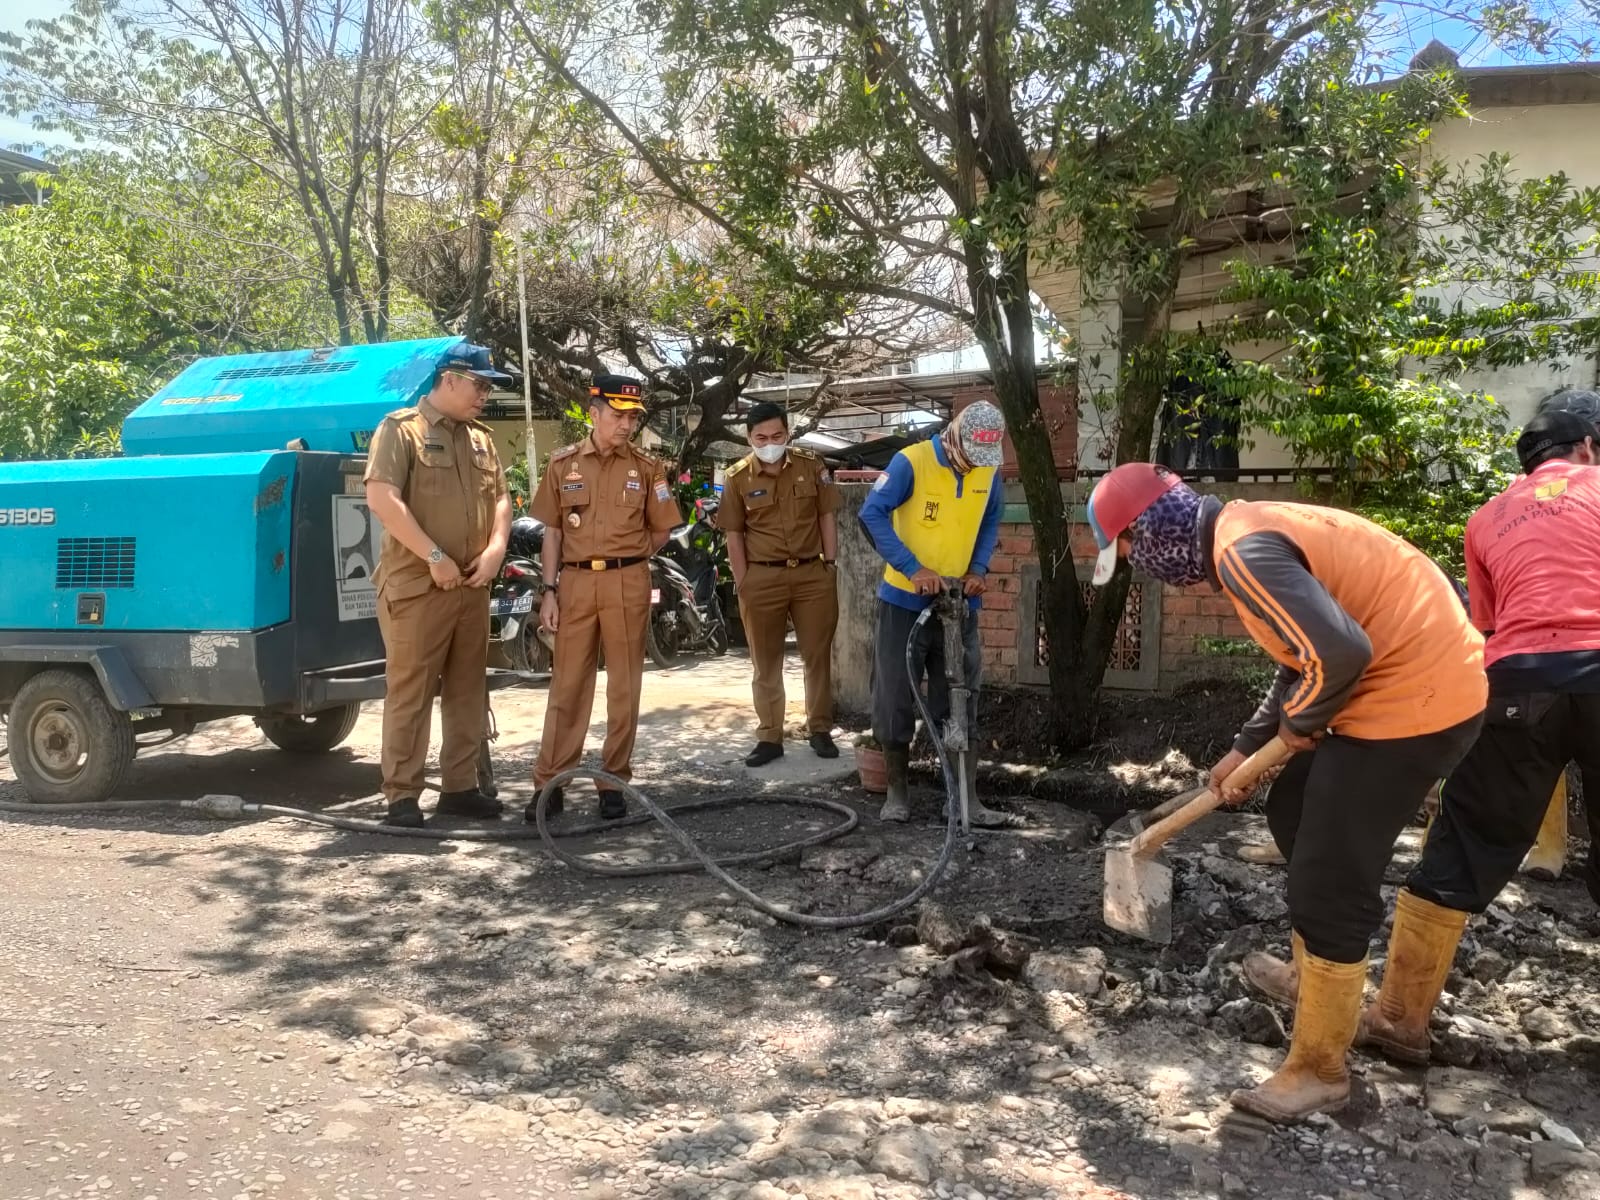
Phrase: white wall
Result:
[1541,141]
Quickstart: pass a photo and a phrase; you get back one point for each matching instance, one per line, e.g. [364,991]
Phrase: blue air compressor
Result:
[221,566]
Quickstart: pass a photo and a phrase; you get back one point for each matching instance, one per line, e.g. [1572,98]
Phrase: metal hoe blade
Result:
[1138,896]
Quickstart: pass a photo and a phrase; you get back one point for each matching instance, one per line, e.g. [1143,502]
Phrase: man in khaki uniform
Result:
[777,509]
[435,483]
[607,508]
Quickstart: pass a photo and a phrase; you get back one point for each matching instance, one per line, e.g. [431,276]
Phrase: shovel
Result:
[1138,897]
[1137,822]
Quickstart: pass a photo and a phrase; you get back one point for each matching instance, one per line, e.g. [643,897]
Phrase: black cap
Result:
[763,412]
[1550,431]
[1583,401]
[621,392]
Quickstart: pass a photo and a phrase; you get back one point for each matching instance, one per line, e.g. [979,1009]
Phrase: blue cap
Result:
[473,360]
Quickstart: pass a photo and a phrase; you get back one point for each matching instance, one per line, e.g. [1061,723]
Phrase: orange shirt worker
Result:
[606,507]
[1380,690]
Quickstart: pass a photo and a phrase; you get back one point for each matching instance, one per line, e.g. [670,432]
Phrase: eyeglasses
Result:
[482,386]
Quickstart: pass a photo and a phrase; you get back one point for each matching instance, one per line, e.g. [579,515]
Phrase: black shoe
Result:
[612,806]
[404,812]
[764,753]
[552,809]
[470,803]
[822,744]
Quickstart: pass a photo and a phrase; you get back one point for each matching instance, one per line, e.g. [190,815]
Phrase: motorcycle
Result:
[686,613]
[514,631]
[700,551]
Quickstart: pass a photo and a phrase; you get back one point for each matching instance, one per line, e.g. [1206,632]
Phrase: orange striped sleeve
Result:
[1261,602]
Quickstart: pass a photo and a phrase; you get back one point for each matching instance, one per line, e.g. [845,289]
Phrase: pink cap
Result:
[1116,501]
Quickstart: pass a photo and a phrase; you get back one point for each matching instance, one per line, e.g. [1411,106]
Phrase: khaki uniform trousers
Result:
[598,608]
[769,599]
[435,643]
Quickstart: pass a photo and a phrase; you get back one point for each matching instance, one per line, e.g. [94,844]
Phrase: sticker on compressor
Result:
[357,536]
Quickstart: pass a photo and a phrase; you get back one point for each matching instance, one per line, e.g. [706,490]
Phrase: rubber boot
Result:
[1421,948]
[978,816]
[1549,853]
[897,766]
[1267,854]
[1313,1077]
[1274,978]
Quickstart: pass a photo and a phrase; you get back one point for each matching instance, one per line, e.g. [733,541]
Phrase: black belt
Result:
[600,564]
[785,562]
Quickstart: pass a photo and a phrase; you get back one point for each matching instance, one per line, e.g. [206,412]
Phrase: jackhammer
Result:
[950,606]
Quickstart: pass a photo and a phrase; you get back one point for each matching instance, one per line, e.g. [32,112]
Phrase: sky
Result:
[14,134]
[1419,27]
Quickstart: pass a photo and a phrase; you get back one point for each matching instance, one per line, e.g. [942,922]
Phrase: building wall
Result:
[510,439]
[1541,140]
[857,573]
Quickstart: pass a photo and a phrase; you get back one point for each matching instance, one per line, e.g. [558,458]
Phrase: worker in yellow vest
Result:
[934,515]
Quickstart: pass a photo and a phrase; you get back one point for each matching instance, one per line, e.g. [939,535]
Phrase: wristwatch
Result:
[435,556]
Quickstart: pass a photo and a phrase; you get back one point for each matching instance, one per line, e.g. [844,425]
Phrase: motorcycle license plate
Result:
[500,607]
[655,595]
[523,603]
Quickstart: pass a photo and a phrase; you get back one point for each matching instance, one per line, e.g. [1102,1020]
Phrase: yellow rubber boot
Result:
[1274,978]
[1549,853]
[1421,948]
[1313,1078]
[1266,855]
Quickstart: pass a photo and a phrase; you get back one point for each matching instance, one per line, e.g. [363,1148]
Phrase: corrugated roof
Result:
[13,189]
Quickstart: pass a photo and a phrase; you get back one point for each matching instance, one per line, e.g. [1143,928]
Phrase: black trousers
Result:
[894,708]
[1491,805]
[1336,812]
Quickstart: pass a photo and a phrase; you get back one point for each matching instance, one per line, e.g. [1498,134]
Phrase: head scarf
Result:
[951,442]
[1166,539]
[974,438]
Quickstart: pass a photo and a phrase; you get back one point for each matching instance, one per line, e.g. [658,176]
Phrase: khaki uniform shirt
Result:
[449,476]
[778,513]
[605,505]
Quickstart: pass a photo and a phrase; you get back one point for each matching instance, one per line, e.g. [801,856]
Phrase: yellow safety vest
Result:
[937,525]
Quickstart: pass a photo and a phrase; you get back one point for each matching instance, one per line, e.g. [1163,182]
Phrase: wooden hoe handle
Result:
[1257,765]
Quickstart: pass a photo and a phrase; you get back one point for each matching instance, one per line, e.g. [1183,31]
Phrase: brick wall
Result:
[1186,615]
[998,620]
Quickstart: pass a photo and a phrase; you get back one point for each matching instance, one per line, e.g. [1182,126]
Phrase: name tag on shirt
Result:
[758,492]
[572,487]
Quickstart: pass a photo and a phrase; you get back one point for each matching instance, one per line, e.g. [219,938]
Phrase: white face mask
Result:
[771,453]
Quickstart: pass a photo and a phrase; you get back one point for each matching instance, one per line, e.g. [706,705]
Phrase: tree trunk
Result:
[1140,402]
[1005,328]
[483,228]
